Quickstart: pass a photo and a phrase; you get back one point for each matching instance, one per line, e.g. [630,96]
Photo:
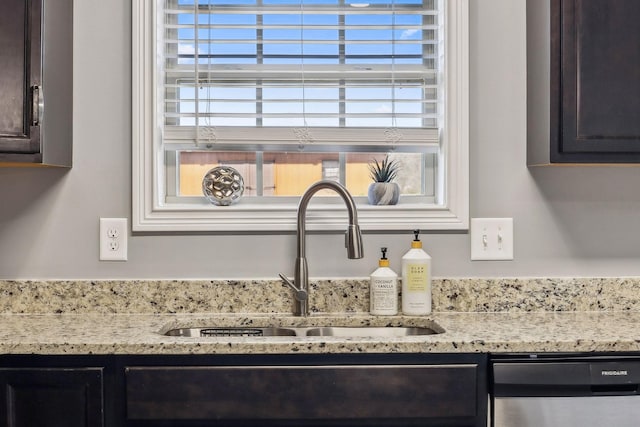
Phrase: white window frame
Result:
[150,213]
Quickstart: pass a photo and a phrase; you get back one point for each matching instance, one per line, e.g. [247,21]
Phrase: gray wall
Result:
[569,221]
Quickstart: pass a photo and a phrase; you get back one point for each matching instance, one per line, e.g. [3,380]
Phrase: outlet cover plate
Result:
[113,239]
[491,239]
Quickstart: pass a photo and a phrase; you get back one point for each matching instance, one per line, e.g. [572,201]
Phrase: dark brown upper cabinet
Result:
[583,74]
[36,64]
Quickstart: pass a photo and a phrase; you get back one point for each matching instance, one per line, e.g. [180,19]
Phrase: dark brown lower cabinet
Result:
[328,390]
[243,390]
[51,397]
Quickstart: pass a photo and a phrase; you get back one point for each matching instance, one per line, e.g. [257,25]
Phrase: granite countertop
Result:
[464,332]
[124,318]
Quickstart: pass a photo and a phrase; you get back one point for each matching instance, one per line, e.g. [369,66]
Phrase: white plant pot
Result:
[383,193]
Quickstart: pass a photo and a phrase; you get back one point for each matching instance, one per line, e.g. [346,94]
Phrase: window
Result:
[292,91]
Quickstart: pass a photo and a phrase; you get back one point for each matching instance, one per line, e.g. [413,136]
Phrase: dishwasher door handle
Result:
[614,389]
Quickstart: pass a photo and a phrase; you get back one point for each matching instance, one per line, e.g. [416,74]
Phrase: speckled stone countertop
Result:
[476,315]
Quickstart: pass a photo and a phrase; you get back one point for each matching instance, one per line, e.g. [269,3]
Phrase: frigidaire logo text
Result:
[614,373]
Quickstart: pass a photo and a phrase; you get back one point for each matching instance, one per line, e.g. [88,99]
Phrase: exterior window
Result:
[289,92]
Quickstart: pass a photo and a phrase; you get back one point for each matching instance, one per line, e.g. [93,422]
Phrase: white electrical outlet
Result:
[113,239]
[491,239]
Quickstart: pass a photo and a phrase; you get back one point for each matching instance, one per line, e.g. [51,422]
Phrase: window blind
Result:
[338,75]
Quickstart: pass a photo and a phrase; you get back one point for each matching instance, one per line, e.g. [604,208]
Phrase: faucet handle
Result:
[299,294]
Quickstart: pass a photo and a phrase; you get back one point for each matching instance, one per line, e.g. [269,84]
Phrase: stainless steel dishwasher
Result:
[545,391]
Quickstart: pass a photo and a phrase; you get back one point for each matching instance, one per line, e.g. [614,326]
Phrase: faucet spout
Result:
[353,241]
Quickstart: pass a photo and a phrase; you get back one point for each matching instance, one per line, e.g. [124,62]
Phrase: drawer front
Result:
[302,392]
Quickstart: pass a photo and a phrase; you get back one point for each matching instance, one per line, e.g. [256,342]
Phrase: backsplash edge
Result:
[350,296]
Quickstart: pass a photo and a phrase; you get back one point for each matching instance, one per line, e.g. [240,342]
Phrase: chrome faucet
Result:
[353,242]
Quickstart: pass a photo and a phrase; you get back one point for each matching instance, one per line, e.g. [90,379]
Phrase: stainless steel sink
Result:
[233,332]
[370,331]
[284,331]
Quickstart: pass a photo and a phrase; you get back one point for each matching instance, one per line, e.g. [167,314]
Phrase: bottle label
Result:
[417,277]
[384,295]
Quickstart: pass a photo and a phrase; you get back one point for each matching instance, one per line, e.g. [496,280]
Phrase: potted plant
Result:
[383,191]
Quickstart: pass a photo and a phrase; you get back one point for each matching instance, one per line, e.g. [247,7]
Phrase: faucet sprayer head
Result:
[353,242]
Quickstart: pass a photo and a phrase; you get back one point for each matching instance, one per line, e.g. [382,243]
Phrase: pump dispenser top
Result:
[383,262]
[416,243]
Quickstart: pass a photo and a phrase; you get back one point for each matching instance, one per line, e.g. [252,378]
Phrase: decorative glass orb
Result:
[223,185]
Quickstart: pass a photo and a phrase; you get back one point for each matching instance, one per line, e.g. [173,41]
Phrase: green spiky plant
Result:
[384,171]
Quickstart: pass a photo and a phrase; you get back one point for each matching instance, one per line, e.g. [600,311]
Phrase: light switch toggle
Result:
[491,239]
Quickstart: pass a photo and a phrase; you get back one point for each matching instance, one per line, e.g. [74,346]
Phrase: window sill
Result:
[282,218]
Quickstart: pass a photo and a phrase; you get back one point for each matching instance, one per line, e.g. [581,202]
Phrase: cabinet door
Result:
[595,81]
[20,75]
[51,397]
[388,395]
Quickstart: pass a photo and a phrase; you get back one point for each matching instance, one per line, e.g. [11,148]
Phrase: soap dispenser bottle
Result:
[416,280]
[383,288]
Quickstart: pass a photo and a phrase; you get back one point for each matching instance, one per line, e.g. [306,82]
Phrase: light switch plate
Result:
[491,239]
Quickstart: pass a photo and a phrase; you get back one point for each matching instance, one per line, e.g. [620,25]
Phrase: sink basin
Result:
[232,332]
[370,331]
[329,331]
